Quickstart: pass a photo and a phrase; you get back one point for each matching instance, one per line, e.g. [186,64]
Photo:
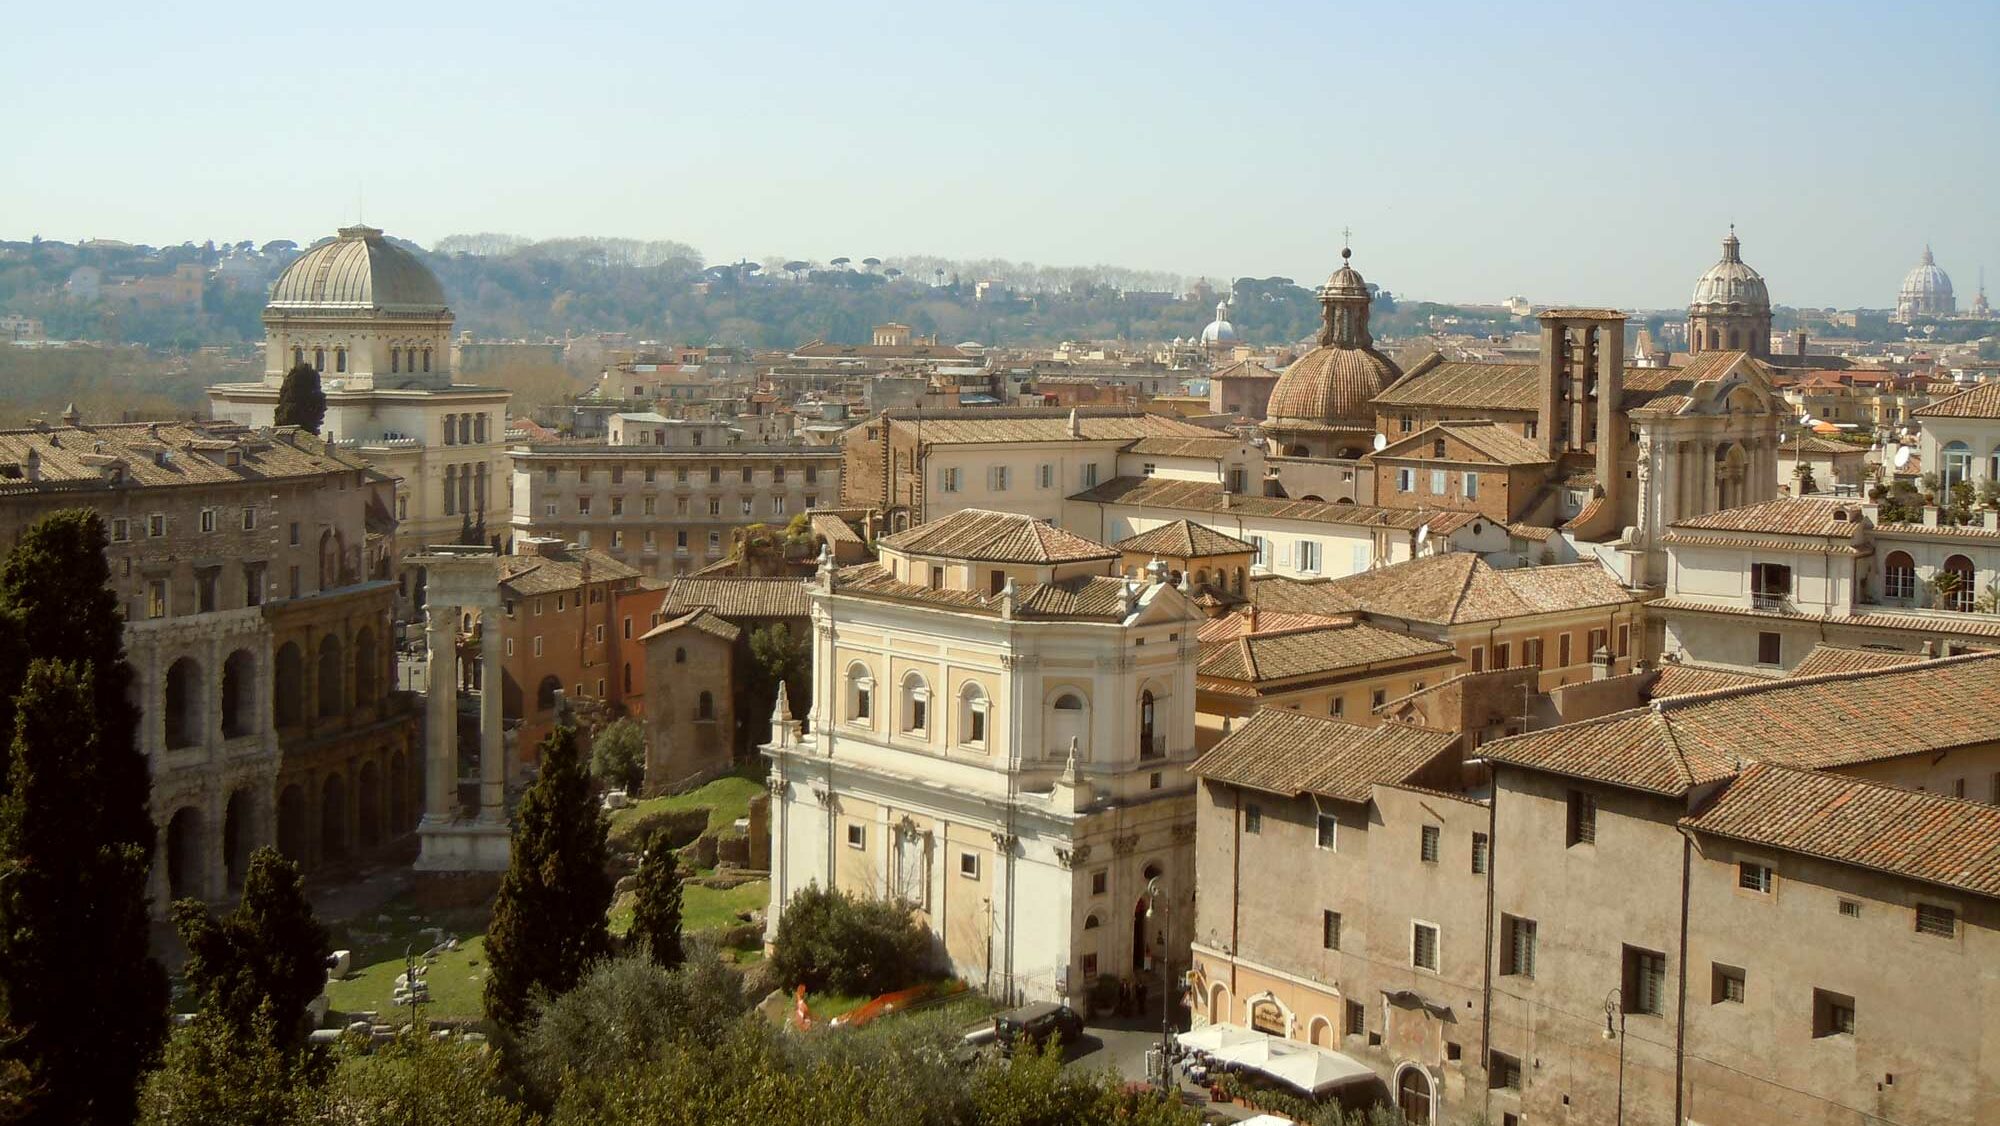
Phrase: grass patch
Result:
[726,799]
[457,979]
[702,908]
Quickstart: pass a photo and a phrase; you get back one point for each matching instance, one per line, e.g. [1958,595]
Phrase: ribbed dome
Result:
[1926,290]
[1332,386]
[1730,286]
[358,270]
[1219,331]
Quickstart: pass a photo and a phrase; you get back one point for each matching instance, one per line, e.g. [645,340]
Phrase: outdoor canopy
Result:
[1306,1067]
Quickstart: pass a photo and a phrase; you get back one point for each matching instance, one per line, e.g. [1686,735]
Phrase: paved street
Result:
[1121,1043]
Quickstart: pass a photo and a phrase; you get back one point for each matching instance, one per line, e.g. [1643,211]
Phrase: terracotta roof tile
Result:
[1909,833]
[1184,539]
[1682,680]
[1835,658]
[1982,401]
[1311,651]
[162,454]
[1165,446]
[1460,586]
[1085,597]
[739,597]
[1207,496]
[997,537]
[701,618]
[1225,626]
[999,425]
[1285,752]
[1794,516]
[1301,596]
[1516,387]
[523,575]
[1930,625]
[1490,440]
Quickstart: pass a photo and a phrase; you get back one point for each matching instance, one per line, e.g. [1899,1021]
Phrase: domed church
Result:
[1731,307]
[372,320]
[1926,292]
[1321,405]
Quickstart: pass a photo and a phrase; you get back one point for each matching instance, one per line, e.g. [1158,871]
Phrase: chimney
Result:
[1930,516]
[1800,342]
[1600,664]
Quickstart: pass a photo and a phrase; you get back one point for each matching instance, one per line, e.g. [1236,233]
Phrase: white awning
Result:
[1212,1038]
[1307,1067]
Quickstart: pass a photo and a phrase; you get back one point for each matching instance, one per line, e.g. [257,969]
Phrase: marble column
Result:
[441,720]
[492,756]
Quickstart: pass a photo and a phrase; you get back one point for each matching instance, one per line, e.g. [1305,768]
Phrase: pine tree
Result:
[75,975]
[548,923]
[301,403]
[656,909]
[264,962]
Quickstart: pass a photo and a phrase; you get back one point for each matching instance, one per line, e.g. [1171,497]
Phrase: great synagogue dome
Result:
[359,270]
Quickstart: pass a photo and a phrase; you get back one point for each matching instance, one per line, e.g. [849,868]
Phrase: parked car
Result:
[1036,1024]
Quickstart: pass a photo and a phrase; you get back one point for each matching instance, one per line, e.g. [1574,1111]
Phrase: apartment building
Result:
[563,633]
[662,496]
[254,572]
[1344,669]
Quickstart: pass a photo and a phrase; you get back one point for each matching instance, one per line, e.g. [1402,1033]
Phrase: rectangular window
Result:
[1357,1019]
[617,474]
[1479,847]
[1253,819]
[1424,946]
[652,505]
[510,647]
[1624,640]
[538,645]
[1770,582]
[1562,651]
[121,530]
[1406,480]
[1596,642]
[1850,909]
[1725,985]
[583,506]
[1501,653]
[156,598]
[812,474]
[999,478]
[599,635]
[208,519]
[250,518]
[208,588]
[156,526]
[1148,469]
[617,506]
[1582,818]
[1090,475]
[968,865]
[1753,877]
[1308,556]
[1644,988]
[1438,482]
[746,475]
[1328,832]
[714,542]
[1503,1072]
[650,471]
[1770,649]
[1403,424]
[1479,658]
[253,584]
[857,836]
[1329,930]
[1531,652]
[1935,920]
[948,481]
[747,506]
[680,475]
[1471,486]
[1833,1014]
[1337,706]
[681,540]
[549,475]
[1098,881]
[1517,946]
[715,475]
[1427,849]
[1258,559]
[715,506]
[1378,697]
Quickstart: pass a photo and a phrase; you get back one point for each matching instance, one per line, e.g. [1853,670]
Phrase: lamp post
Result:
[1614,1002]
[1166,998]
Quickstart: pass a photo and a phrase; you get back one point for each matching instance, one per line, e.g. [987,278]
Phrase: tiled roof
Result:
[1836,658]
[1489,440]
[1311,651]
[1664,390]
[833,529]
[1516,387]
[1794,516]
[1817,723]
[820,349]
[1184,539]
[1035,424]
[1085,597]
[524,575]
[1982,401]
[1460,586]
[1928,531]
[1814,444]
[1682,680]
[701,618]
[1940,624]
[1166,446]
[1222,627]
[1207,496]
[1285,752]
[739,597]
[163,454]
[997,537]
[1909,833]
[1301,596]
[1243,369]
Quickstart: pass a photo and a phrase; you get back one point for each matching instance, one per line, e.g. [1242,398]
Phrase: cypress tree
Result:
[261,965]
[656,908]
[548,923]
[75,975]
[301,403]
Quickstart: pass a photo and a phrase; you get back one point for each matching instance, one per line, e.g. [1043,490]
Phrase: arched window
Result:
[479,489]
[465,430]
[916,706]
[340,359]
[1957,468]
[704,708]
[366,668]
[298,356]
[1150,744]
[395,360]
[465,489]
[1068,721]
[319,359]
[1993,466]
[288,685]
[545,693]
[330,701]
[451,490]
[1735,340]
[1956,584]
[860,694]
[972,715]
[1201,578]
[1413,1092]
[1239,580]
[239,695]
[184,706]
[1899,576]
[1714,339]
[450,430]
[427,359]
[478,422]
[1091,923]
[680,656]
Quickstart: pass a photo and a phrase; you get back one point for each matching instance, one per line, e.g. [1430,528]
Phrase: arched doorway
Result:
[330,703]
[238,836]
[292,824]
[399,795]
[183,711]
[288,685]
[239,695]
[1413,1095]
[184,853]
[1956,585]
[368,794]
[545,693]
[333,819]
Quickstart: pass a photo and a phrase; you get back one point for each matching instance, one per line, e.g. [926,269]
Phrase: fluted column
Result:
[441,719]
[492,758]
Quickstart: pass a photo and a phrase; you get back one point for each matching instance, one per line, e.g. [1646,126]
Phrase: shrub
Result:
[831,940]
[618,756]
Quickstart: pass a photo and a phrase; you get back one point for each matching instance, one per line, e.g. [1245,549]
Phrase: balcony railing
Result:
[1775,603]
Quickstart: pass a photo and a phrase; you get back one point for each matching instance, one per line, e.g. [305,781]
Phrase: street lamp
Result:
[1614,1002]
[1166,1062]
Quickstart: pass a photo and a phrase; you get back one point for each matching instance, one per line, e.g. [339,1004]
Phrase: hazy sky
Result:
[1578,153]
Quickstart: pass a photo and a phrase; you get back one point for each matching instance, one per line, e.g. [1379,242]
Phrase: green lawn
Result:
[726,798]
[703,908]
[457,979]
